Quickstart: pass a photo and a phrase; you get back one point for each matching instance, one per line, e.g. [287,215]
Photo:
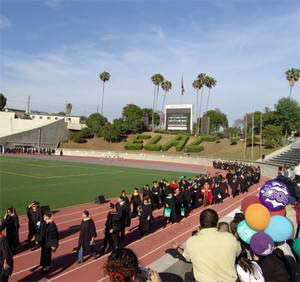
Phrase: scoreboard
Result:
[179,117]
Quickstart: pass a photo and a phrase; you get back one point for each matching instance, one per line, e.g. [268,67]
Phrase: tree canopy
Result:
[217,120]
[2,101]
[95,122]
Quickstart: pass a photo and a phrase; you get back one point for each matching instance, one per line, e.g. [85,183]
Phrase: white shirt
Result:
[247,277]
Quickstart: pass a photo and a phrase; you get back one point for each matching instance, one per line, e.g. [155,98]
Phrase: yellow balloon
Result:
[257,216]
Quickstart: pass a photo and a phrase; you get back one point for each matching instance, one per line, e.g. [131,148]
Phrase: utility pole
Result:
[28,105]
[260,143]
[252,148]
[245,127]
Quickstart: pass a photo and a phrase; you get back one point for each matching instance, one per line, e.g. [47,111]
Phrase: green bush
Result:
[209,138]
[178,142]
[152,147]
[133,146]
[152,144]
[137,142]
[86,133]
[270,143]
[195,147]
[77,138]
[234,140]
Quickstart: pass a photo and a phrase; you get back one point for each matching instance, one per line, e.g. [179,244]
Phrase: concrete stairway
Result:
[289,157]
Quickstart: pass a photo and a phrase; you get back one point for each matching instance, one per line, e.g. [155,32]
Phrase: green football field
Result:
[61,184]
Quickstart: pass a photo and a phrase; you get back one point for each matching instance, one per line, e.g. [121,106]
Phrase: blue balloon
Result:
[279,228]
[245,231]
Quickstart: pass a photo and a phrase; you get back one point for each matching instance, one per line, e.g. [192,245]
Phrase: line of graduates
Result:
[177,198]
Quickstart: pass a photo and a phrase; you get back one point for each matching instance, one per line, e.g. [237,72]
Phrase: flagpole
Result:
[245,127]
[260,143]
[252,148]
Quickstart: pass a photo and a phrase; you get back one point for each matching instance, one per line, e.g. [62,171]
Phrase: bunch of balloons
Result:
[265,221]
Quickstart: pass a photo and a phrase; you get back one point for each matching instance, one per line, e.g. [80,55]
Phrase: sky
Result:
[54,50]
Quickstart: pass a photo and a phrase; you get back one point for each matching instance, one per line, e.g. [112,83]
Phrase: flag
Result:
[182,86]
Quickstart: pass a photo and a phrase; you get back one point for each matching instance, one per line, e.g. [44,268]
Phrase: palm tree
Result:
[165,86]
[292,75]
[210,82]
[104,76]
[68,109]
[201,77]
[157,79]
[197,86]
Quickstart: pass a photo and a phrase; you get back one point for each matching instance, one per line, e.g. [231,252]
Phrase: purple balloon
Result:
[262,244]
[274,195]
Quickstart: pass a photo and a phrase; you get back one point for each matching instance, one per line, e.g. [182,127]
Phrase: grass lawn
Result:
[62,184]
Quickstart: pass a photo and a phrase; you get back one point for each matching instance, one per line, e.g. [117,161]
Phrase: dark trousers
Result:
[46,256]
[189,277]
[111,240]
[3,278]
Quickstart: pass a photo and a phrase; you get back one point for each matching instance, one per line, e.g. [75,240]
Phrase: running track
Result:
[148,248]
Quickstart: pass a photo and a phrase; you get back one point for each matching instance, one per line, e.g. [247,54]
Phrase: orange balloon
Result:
[257,216]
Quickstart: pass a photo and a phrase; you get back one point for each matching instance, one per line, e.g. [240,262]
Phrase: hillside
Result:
[211,149]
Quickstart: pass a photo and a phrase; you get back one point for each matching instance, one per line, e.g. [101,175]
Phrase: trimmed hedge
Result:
[195,147]
[137,142]
[133,146]
[152,144]
[209,138]
[178,142]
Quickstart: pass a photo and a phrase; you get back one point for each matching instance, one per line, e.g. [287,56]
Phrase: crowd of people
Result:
[29,150]
[220,249]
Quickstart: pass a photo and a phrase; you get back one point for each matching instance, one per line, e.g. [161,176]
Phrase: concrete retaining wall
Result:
[267,170]
[44,136]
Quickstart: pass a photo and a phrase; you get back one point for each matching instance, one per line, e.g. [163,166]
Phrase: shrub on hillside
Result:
[86,133]
[137,142]
[195,147]
[133,146]
[152,144]
[178,142]
[209,138]
[111,133]
[234,140]
[77,138]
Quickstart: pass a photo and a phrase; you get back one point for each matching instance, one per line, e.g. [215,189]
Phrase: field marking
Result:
[59,176]
[150,235]
[21,174]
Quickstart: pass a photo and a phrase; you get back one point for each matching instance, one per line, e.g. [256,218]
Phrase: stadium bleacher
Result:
[290,157]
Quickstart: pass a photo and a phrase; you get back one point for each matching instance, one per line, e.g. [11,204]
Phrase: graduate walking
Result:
[6,259]
[35,219]
[135,201]
[112,231]
[12,226]
[49,241]
[145,216]
[87,236]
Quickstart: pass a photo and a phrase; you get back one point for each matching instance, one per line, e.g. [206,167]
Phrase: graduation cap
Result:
[36,203]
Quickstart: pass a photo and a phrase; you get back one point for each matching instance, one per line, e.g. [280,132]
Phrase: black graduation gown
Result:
[156,197]
[33,219]
[171,203]
[145,218]
[87,232]
[49,240]
[216,191]
[11,224]
[179,203]
[5,254]
[135,201]
[113,222]
[224,190]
